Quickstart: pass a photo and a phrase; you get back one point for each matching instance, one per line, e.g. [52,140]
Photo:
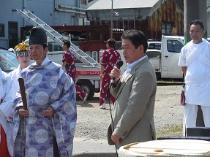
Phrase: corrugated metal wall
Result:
[167,19]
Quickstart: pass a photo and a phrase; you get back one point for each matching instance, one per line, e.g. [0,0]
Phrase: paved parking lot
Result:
[92,122]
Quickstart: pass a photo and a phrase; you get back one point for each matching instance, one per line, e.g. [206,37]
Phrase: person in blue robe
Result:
[50,117]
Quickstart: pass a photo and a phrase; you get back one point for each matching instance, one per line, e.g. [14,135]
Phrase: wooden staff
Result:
[22,92]
[22,119]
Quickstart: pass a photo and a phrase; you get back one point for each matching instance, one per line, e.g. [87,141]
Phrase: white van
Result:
[165,61]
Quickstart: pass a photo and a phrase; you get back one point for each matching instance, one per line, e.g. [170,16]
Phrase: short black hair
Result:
[136,37]
[197,22]
[111,42]
[67,43]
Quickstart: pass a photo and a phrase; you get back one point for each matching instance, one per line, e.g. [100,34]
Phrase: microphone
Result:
[118,65]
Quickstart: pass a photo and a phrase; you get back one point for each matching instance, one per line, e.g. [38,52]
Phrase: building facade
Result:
[53,12]
[154,17]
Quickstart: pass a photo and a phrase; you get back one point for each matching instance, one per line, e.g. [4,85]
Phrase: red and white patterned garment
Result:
[109,59]
[70,68]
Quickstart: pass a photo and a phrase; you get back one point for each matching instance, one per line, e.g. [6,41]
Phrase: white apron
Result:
[197,78]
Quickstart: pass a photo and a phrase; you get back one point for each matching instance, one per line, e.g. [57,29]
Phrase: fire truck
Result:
[86,76]
[87,63]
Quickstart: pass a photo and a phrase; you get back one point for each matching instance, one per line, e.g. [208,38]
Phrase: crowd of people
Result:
[45,124]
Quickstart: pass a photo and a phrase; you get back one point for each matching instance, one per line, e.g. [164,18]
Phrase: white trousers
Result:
[190,115]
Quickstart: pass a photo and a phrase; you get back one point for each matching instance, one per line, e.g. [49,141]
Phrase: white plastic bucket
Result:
[171,147]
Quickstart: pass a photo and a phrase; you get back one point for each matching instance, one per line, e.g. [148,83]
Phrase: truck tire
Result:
[88,87]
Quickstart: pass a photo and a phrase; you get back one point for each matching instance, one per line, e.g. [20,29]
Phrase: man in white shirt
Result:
[195,63]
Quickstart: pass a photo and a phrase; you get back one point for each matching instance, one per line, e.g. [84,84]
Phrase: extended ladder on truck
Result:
[57,37]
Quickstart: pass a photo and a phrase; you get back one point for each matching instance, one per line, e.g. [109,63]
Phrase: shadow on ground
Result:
[88,103]
[169,82]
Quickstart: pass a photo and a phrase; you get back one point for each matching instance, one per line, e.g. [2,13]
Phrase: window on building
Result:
[84,2]
[167,28]
[13,33]
[2,33]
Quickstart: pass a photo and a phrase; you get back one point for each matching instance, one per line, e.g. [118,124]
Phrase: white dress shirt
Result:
[130,67]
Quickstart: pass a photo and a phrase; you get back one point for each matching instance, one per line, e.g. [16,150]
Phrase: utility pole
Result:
[194,9]
[111,20]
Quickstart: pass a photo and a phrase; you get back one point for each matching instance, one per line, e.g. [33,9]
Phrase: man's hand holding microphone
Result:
[116,73]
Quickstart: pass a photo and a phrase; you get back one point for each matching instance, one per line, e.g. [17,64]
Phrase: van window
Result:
[156,46]
[153,54]
[174,46]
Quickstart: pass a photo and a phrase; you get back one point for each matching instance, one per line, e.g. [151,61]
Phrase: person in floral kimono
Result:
[70,68]
[109,59]
[50,117]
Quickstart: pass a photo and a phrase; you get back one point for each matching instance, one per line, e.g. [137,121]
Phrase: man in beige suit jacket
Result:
[135,90]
